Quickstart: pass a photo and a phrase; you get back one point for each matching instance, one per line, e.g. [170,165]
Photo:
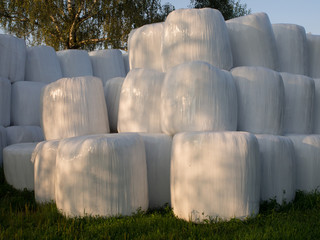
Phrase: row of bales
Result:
[210,116]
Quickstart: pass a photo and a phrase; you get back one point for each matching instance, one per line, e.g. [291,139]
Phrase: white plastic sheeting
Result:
[75,63]
[107,64]
[316,107]
[112,91]
[292,50]
[5,101]
[24,134]
[139,106]
[252,41]
[12,57]
[73,107]
[260,100]
[307,151]
[158,156]
[17,165]
[314,55]
[299,99]
[44,160]
[3,142]
[278,168]
[42,65]
[101,175]
[144,47]
[125,57]
[196,34]
[198,97]
[25,103]
[215,174]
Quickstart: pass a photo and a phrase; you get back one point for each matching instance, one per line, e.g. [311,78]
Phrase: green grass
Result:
[22,218]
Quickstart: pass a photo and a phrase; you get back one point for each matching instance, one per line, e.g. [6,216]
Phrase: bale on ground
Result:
[3,142]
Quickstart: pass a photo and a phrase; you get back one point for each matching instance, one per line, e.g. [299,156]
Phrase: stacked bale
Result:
[314,55]
[24,134]
[5,101]
[193,34]
[125,57]
[316,107]
[197,96]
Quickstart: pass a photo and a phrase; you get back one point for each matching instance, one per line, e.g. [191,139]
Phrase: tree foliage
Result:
[228,8]
[73,24]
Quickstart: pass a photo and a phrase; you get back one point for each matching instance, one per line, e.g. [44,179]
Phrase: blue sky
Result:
[304,13]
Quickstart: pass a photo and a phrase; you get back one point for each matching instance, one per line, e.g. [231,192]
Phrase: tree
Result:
[228,8]
[73,24]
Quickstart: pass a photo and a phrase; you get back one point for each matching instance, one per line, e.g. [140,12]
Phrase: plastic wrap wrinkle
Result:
[198,97]
[291,41]
[261,100]
[307,151]
[17,165]
[316,107]
[215,174]
[313,42]
[102,175]
[107,64]
[24,134]
[5,101]
[75,63]
[42,65]
[3,142]
[144,47]
[252,41]
[12,58]
[195,34]
[112,91]
[299,94]
[73,107]
[278,165]
[139,106]
[158,156]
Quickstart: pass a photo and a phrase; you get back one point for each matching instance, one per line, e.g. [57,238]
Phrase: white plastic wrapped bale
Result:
[158,156]
[144,47]
[198,97]
[44,160]
[3,142]
[195,34]
[17,165]
[102,175]
[307,151]
[252,41]
[291,41]
[112,91]
[42,65]
[314,55]
[215,174]
[261,100]
[12,58]
[24,134]
[75,63]
[107,64]
[73,107]
[299,99]
[316,107]
[5,101]
[139,106]
[278,168]
[25,103]
[125,57]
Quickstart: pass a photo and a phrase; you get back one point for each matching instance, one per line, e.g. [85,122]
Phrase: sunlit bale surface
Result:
[107,64]
[12,58]
[299,99]
[139,106]
[278,165]
[158,156]
[102,175]
[42,65]
[5,101]
[17,165]
[215,174]
[144,47]
[261,98]
[3,142]
[195,34]
[75,63]
[197,96]
[314,55]
[252,41]
[73,107]
[24,134]
[292,49]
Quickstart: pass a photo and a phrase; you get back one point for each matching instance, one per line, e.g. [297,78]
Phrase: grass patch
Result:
[22,218]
